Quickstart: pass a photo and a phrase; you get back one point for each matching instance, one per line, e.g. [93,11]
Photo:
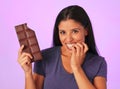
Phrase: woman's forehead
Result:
[69,24]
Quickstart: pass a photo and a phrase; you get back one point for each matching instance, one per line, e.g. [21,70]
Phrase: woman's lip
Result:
[69,45]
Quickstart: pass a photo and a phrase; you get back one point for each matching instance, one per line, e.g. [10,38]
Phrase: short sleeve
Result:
[39,67]
[102,69]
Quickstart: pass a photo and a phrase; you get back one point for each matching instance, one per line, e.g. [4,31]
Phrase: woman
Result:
[73,62]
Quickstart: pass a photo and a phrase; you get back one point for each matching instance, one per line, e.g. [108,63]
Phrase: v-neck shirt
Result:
[56,77]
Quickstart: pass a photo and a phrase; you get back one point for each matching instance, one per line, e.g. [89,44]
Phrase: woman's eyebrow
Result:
[61,30]
[76,29]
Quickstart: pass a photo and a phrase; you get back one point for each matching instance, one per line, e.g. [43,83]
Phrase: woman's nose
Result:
[69,38]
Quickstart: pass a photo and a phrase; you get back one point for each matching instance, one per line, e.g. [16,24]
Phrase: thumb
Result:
[20,50]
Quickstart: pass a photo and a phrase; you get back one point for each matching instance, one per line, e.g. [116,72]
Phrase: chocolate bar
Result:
[27,37]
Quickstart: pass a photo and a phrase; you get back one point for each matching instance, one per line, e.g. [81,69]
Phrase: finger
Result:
[85,47]
[25,61]
[20,50]
[73,50]
[78,49]
[21,59]
[24,55]
[81,48]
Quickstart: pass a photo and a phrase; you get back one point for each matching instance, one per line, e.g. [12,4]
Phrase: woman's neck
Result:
[65,52]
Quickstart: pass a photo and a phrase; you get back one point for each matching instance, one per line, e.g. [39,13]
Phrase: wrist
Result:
[77,68]
[28,74]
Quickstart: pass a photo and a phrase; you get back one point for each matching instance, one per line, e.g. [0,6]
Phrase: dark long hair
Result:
[78,14]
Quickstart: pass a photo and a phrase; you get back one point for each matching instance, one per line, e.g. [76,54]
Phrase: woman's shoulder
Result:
[95,58]
[50,50]
[95,65]
[95,61]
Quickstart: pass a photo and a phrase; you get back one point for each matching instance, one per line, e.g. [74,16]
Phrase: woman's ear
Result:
[86,32]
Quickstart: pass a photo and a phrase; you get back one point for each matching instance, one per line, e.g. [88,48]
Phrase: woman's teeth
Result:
[69,46]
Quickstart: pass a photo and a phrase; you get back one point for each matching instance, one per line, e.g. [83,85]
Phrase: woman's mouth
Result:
[69,46]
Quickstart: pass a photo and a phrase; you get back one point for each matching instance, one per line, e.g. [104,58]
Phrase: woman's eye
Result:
[62,32]
[75,31]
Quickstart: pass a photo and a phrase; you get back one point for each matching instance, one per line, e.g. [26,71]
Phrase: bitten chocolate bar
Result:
[27,37]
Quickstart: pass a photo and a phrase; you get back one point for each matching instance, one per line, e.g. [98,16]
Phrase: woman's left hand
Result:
[78,54]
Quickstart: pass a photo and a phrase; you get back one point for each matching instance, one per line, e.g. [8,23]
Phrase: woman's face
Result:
[71,32]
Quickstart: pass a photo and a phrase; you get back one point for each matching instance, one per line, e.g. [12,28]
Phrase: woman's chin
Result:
[69,49]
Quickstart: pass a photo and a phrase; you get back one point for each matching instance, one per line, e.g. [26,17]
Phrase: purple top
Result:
[56,76]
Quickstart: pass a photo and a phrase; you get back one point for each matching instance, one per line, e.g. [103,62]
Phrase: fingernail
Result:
[31,57]
[22,46]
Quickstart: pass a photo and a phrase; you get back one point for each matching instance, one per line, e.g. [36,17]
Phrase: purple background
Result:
[40,16]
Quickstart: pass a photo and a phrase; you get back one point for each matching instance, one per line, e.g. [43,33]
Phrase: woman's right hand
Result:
[24,59]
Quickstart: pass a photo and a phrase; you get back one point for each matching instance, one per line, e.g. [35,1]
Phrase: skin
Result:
[70,32]
[32,80]
[73,33]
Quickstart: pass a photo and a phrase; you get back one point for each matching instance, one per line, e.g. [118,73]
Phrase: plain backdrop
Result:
[40,16]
